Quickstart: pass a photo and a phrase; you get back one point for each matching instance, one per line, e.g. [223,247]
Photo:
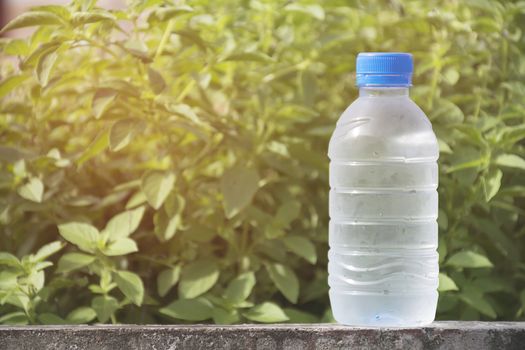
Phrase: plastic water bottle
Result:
[383,264]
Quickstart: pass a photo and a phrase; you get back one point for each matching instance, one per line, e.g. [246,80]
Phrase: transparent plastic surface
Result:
[383,264]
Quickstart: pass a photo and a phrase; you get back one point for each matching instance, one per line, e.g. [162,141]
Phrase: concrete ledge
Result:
[440,335]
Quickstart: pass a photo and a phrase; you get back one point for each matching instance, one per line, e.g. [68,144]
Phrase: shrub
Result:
[168,162]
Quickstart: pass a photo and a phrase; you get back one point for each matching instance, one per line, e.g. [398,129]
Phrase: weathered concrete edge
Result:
[439,335]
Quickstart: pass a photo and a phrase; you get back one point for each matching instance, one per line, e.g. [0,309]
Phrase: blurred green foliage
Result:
[167,163]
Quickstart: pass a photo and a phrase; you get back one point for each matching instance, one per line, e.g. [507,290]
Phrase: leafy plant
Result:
[179,151]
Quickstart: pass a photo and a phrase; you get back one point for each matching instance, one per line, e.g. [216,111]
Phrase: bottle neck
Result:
[384,91]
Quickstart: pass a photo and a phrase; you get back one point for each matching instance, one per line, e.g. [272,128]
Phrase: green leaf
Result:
[475,300]
[61,11]
[124,224]
[447,112]
[82,235]
[19,300]
[104,306]
[167,279]
[266,312]
[48,250]
[100,143]
[165,226]
[444,147]
[14,318]
[115,87]
[121,246]
[17,47]
[240,288]
[314,11]
[121,133]
[102,100]
[492,184]
[46,46]
[157,185]
[33,190]
[186,112]
[130,285]
[80,18]
[446,283]
[193,36]
[156,81]
[197,278]
[19,168]
[298,316]
[249,56]
[238,185]
[9,259]
[273,231]
[36,279]
[302,247]
[189,309]
[83,314]
[9,84]
[285,280]
[50,318]
[73,261]
[200,234]
[44,65]
[245,304]
[32,18]
[442,219]
[328,317]
[491,284]
[137,199]
[288,212]
[174,204]
[8,280]
[497,237]
[222,316]
[42,265]
[451,76]
[469,259]
[511,160]
[137,48]
[166,13]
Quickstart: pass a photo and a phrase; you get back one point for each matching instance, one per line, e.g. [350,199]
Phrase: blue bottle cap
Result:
[386,69]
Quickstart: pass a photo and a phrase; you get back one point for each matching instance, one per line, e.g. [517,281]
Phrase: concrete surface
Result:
[440,335]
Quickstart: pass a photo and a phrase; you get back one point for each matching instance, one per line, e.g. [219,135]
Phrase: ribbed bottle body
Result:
[383,263]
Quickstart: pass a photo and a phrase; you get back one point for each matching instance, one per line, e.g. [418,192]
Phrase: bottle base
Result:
[364,309]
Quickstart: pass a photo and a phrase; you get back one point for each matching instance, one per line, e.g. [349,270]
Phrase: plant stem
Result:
[433,85]
[100,46]
[165,38]
[186,90]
